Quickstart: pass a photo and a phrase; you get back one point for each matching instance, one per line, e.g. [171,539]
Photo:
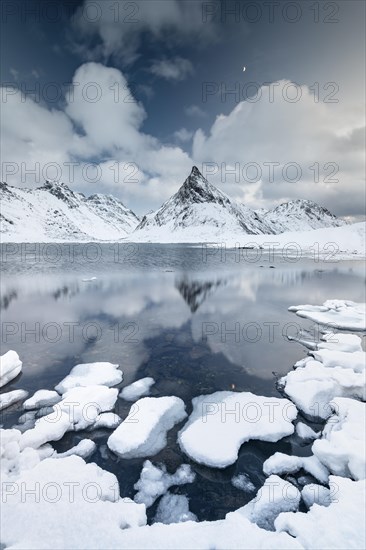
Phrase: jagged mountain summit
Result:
[55,213]
[200,212]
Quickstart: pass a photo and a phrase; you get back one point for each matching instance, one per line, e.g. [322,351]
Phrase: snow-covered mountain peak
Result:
[301,214]
[62,192]
[196,188]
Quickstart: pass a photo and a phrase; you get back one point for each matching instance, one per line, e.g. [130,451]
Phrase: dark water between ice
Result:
[197,321]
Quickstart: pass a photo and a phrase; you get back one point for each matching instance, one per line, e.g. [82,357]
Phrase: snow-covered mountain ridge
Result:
[55,213]
[197,212]
[201,212]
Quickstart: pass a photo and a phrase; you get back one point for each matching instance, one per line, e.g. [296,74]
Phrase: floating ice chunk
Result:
[143,432]
[155,481]
[314,386]
[242,482]
[89,280]
[280,464]
[274,497]
[79,409]
[84,449]
[347,360]
[77,503]
[106,420]
[221,422]
[340,525]
[42,398]
[341,314]
[87,374]
[316,494]
[138,389]
[10,367]
[173,509]
[305,432]
[342,448]
[11,397]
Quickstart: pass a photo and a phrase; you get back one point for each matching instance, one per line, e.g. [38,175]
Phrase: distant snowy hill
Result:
[300,215]
[55,213]
[200,212]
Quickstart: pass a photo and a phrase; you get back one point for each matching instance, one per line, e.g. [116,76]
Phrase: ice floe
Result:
[155,481]
[88,374]
[138,389]
[221,422]
[144,431]
[107,420]
[10,367]
[340,314]
[305,432]
[281,464]
[42,398]
[313,386]
[11,397]
[84,449]
[316,494]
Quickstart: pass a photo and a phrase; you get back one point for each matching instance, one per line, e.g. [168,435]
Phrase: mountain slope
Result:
[55,213]
[199,211]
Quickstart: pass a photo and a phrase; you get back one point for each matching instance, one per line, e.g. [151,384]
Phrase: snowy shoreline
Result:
[328,384]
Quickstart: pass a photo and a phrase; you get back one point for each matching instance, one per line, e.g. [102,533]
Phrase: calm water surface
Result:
[196,320]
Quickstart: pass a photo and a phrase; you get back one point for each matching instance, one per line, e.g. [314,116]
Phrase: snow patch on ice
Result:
[138,389]
[10,367]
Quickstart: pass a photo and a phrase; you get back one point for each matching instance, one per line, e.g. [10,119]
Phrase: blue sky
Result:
[162,68]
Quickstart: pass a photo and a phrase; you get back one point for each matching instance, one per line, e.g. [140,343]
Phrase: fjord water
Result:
[198,320]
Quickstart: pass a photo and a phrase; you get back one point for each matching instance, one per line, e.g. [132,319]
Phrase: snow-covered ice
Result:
[281,464]
[173,509]
[276,496]
[342,448]
[144,431]
[339,525]
[155,481]
[10,367]
[87,374]
[339,314]
[78,506]
[138,389]
[221,422]
[305,432]
[84,449]
[107,420]
[316,494]
[11,397]
[242,482]
[42,398]
[313,387]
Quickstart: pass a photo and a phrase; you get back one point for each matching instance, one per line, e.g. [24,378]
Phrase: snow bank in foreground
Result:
[339,525]
[340,314]
[73,505]
[342,448]
[10,367]
[88,374]
[144,431]
[155,481]
[138,389]
[221,422]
